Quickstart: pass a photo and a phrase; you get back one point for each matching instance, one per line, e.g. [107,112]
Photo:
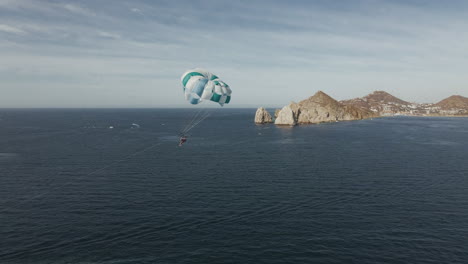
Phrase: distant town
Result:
[385,104]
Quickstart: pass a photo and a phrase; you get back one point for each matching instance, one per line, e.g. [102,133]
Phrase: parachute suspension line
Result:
[203,117]
[196,116]
[197,122]
[191,121]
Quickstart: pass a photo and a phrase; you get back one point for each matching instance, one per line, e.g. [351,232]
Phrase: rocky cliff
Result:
[323,108]
[262,116]
[317,109]
[277,112]
[286,117]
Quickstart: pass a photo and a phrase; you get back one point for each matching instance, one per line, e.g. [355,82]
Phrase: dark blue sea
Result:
[75,190]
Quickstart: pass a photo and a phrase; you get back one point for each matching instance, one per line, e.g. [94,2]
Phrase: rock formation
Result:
[318,108]
[277,112]
[262,116]
[322,108]
[296,108]
[286,117]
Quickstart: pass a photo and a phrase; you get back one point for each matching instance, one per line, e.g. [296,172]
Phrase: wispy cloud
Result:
[109,35]
[78,10]
[136,10]
[274,48]
[10,29]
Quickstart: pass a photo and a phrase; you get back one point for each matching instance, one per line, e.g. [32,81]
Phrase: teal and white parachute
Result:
[201,85]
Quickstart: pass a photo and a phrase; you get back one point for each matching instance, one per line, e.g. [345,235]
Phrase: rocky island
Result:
[321,108]
[262,116]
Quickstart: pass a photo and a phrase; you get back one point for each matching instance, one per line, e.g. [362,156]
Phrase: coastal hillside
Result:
[318,108]
[385,104]
[453,102]
[321,108]
[380,102]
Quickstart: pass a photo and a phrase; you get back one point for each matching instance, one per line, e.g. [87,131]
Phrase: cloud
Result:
[136,10]
[10,29]
[109,35]
[78,10]
[269,47]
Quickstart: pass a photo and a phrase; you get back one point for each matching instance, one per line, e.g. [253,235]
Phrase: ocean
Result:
[88,186]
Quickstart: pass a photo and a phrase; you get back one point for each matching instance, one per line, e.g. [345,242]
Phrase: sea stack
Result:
[277,112]
[286,117]
[262,116]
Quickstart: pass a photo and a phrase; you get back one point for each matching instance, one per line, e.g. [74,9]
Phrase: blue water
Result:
[387,190]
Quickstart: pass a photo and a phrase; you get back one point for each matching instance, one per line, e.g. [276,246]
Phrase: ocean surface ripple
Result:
[89,186]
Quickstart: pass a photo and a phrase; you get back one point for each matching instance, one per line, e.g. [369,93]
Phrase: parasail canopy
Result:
[201,85]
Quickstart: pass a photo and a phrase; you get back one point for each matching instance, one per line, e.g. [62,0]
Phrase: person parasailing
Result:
[183,139]
[200,85]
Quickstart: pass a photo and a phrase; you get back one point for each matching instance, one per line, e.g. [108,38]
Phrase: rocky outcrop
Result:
[317,109]
[286,117]
[322,108]
[359,113]
[296,108]
[277,112]
[262,116]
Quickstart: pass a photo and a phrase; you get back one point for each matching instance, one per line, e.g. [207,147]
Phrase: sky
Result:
[132,53]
